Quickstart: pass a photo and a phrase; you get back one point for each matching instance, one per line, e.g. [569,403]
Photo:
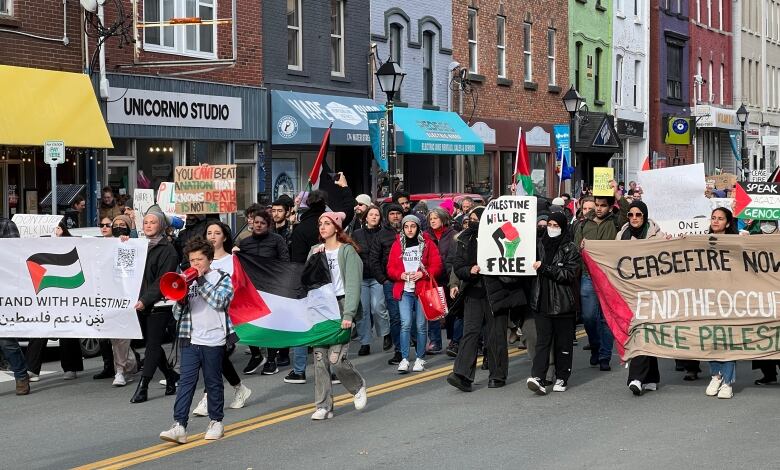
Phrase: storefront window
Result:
[211,153]
[507,171]
[122,148]
[245,177]
[155,162]
[539,172]
[479,174]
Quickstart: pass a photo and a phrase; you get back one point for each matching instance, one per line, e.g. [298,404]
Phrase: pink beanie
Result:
[336,217]
[448,205]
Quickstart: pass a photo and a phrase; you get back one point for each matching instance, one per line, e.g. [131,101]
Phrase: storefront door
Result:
[11,180]
[121,174]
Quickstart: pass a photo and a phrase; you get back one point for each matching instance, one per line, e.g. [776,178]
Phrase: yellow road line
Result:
[196,440]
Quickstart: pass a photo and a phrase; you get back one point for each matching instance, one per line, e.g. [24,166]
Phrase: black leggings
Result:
[154,357]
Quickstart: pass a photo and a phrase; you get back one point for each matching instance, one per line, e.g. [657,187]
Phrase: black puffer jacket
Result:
[160,259]
[380,252]
[558,276]
[364,237]
[269,245]
[462,260]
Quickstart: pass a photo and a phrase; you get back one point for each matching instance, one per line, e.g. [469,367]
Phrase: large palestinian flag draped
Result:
[272,308]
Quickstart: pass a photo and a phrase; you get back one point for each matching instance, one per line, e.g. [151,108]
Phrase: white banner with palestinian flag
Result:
[70,287]
[273,308]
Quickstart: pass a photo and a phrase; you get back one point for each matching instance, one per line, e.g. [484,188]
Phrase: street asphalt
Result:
[419,421]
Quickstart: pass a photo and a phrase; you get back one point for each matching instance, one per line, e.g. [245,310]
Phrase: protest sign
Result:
[723,180]
[70,287]
[143,199]
[716,202]
[601,179]
[760,201]
[759,176]
[676,192]
[166,197]
[36,225]
[712,297]
[205,189]
[686,227]
[506,242]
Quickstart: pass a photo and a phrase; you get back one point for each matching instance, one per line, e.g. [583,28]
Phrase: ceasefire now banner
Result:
[713,297]
[70,287]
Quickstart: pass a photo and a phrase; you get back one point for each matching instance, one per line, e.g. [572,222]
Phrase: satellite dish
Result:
[89,5]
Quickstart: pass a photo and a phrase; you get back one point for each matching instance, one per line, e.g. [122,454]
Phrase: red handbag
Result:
[432,298]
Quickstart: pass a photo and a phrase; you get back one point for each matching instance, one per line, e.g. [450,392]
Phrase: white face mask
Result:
[554,232]
[768,227]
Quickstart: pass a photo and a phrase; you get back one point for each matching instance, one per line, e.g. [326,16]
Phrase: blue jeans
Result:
[599,335]
[434,334]
[300,354]
[372,299]
[13,354]
[395,315]
[727,370]
[195,358]
[412,312]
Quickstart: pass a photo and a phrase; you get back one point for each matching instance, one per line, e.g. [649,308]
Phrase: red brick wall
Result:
[711,44]
[42,18]
[515,102]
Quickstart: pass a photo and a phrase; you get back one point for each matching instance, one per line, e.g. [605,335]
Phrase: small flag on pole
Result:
[523,183]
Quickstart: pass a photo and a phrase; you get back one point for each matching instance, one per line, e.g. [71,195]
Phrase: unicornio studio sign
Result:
[712,297]
[506,241]
[205,189]
[162,108]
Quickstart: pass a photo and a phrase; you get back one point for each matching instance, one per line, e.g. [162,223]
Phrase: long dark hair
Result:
[342,237]
[731,226]
[228,243]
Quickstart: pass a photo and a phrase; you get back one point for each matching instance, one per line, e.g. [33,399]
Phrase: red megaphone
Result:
[174,285]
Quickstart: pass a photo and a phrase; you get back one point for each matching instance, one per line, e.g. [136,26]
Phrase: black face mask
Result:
[119,231]
[540,230]
[474,226]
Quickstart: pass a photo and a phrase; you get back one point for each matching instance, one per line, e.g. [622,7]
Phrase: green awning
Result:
[434,132]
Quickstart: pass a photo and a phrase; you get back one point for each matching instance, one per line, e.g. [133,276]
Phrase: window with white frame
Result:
[638,84]
[396,48]
[501,46]
[337,37]
[722,78]
[637,8]
[698,11]
[294,35]
[527,57]
[473,38]
[720,14]
[427,46]
[619,7]
[709,12]
[699,81]
[551,80]
[710,85]
[198,40]
[618,80]
[6,7]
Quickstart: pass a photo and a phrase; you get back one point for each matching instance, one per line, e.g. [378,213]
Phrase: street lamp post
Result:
[390,76]
[742,117]
[572,101]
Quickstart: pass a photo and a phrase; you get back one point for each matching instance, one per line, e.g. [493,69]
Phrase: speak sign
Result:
[205,189]
[706,297]
[506,241]
[70,287]
[759,201]
[36,225]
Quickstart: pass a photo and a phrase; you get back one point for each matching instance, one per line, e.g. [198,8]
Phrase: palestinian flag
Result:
[523,182]
[55,270]
[272,308]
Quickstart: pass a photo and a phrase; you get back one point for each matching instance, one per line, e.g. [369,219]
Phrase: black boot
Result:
[170,383]
[141,393]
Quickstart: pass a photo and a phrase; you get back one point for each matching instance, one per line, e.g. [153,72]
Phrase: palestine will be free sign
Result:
[205,189]
[506,241]
[713,297]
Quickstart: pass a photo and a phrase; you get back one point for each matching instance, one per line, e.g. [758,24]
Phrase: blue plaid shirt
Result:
[218,297]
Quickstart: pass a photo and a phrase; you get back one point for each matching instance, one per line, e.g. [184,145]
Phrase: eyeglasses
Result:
[631,215]
[105,225]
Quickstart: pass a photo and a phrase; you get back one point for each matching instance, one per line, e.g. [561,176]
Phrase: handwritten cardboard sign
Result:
[166,197]
[205,189]
[36,225]
[685,227]
[601,178]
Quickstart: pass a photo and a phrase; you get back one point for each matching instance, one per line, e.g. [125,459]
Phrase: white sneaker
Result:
[714,386]
[203,407]
[69,375]
[239,399]
[33,376]
[651,387]
[119,380]
[176,434]
[403,366]
[419,365]
[560,386]
[536,385]
[321,414]
[636,387]
[215,431]
[361,398]
[725,391]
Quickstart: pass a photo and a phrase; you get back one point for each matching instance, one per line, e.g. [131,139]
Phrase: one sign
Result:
[679,131]
[679,228]
[166,197]
[704,298]
[759,201]
[601,178]
[759,176]
[36,225]
[162,108]
[70,287]
[143,199]
[206,189]
[54,152]
[506,242]
[664,188]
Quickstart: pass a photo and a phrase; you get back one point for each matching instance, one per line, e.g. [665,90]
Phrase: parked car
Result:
[435,199]
[90,347]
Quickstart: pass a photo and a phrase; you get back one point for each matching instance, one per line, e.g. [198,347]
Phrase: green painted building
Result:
[590,51]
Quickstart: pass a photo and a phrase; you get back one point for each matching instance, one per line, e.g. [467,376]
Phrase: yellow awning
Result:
[39,105]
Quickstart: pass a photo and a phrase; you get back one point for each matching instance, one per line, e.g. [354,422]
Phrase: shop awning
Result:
[302,118]
[41,105]
[434,132]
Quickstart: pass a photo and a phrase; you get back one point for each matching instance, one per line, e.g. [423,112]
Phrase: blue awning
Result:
[434,132]
[302,118]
